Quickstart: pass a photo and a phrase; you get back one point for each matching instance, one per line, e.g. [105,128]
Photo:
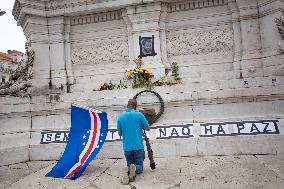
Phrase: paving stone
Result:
[165,175]
[274,163]
[228,172]
[12,173]
[246,171]
[38,179]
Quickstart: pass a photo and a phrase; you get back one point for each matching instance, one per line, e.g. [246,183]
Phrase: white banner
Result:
[184,131]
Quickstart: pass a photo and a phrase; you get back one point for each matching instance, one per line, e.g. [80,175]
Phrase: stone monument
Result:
[230,100]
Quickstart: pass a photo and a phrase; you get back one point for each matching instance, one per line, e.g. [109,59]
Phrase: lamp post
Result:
[2,12]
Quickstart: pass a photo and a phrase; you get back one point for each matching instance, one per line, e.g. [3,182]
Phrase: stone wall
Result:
[99,49]
[15,132]
[230,64]
[201,40]
[24,120]
[24,123]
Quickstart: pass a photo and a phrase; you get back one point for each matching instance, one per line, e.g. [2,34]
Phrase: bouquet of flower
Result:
[139,77]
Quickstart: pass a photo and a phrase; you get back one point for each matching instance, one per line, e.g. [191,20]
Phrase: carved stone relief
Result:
[99,17]
[101,51]
[196,42]
[280,26]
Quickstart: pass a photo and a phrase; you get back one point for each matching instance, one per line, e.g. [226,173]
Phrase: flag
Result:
[87,135]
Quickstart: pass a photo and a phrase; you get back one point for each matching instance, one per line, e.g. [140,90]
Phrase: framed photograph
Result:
[147,46]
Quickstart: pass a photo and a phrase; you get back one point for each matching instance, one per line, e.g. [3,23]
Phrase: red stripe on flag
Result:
[73,172]
[93,139]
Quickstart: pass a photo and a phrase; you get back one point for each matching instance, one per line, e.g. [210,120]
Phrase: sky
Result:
[11,35]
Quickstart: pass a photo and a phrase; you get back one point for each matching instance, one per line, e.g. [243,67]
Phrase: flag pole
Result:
[92,109]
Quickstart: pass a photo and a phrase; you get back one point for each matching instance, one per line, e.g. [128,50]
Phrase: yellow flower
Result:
[147,71]
[130,72]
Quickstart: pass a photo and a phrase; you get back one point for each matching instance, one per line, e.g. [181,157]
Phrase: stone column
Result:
[237,37]
[163,39]
[57,52]
[144,20]
[129,35]
[36,32]
[251,63]
[46,36]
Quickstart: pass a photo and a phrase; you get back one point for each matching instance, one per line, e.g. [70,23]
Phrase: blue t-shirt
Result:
[131,123]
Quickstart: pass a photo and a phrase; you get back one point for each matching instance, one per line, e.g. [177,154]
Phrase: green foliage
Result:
[166,80]
[175,71]
[121,85]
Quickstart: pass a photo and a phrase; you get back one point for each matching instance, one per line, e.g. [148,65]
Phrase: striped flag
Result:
[87,136]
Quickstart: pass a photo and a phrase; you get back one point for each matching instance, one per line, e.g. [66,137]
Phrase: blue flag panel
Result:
[87,136]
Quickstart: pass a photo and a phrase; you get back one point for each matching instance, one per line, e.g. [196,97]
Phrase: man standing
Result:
[130,124]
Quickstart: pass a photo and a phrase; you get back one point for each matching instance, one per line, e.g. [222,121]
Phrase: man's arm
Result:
[144,122]
[119,132]
[147,128]
[119,127]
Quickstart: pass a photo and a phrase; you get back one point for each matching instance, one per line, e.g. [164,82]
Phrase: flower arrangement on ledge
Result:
[142,78]
[171,76]
[139,77]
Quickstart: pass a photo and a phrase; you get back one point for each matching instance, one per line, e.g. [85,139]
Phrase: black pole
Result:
[150,151]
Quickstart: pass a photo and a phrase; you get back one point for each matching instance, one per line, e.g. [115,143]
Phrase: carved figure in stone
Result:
[280,26]
[20,80]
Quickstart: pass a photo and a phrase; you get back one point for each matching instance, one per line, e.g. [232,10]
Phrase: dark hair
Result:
[132,103]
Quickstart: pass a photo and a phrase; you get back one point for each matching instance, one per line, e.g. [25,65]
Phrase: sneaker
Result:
[132,173]
[124,179]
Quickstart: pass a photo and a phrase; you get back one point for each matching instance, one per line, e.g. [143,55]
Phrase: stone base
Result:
[24,120]
[14,155]
[201,146]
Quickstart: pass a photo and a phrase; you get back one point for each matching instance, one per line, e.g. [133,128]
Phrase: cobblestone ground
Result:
[246,171]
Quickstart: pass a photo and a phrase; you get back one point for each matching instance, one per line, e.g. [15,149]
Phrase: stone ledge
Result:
[14,155]
[118,98]
[47,152]
[15,124]
[14,140]
[15,108]
[8,100]
[200,83]
[200,146]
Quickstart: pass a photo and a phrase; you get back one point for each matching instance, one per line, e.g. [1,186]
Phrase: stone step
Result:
[200,84]
[167,147]
[118,98]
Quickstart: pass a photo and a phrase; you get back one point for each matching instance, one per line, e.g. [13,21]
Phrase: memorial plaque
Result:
[147,46]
